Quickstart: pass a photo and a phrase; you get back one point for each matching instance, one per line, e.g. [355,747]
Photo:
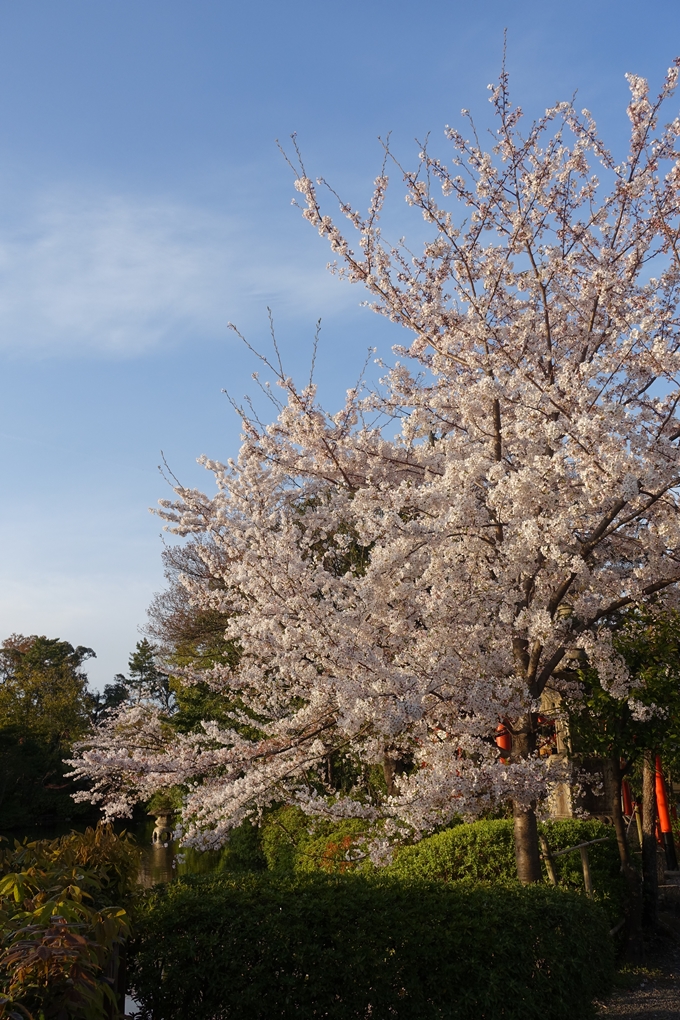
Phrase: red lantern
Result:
[503,739]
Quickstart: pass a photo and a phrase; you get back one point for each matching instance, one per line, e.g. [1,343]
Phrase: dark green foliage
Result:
[197,703]
[243,852]
[33,787]
[486,851]
[353,946]
[106,701]
[599,724]
[44,707]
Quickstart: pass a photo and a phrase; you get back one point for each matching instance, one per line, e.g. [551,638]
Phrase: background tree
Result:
[531,493]
[185,630]
[44,707]
[188,631]
[146,680]
[43,690]
[648,720]
[628,733]
[102,703]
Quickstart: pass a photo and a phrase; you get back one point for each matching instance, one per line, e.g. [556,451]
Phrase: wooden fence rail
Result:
[549,856]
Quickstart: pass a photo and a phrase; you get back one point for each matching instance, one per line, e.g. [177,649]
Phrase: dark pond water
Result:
[161,862]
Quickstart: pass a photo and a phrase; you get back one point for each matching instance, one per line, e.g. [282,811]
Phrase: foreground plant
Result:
[62,932]
[395,600]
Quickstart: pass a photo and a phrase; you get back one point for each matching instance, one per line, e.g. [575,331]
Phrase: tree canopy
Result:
[648,720]
[45,706]
[395,598]
[43,690]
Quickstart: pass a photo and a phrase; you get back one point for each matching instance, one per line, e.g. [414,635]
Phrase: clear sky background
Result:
[144,204]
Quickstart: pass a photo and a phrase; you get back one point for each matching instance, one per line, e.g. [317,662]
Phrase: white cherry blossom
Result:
[396,598]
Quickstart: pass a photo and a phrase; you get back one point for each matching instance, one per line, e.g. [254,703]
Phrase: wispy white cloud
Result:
[118,276]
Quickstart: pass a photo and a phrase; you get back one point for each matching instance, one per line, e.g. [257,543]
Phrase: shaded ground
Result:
[654,990]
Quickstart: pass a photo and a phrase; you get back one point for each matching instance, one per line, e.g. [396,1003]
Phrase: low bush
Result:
[486,851]
[480,851]
[261,947]
[63,924]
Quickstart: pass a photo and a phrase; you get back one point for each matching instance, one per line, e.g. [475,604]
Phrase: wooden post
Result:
[548,858]
[649,872]
[638,820]
[627,798]
[587,878]
[121,982]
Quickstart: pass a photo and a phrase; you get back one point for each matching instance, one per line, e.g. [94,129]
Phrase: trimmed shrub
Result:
[480,851]
[486,851]
[257,947]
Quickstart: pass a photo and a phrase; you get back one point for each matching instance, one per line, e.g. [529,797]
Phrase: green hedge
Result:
[479,851]
[257,947]
[486,851]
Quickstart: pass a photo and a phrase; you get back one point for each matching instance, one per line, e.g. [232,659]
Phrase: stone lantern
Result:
[162,833]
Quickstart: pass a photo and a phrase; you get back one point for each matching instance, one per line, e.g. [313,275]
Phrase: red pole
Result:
[665,818]
[503,739]
[627,798]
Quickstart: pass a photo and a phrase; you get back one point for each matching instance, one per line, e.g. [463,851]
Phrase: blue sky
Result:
[144,204]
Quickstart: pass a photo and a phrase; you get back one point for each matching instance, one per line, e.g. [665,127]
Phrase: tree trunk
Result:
[527,853]
[612,786]
[649,872]
[389,771]
[612,790]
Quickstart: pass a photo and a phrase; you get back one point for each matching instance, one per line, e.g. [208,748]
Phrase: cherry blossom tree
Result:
[397,597]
